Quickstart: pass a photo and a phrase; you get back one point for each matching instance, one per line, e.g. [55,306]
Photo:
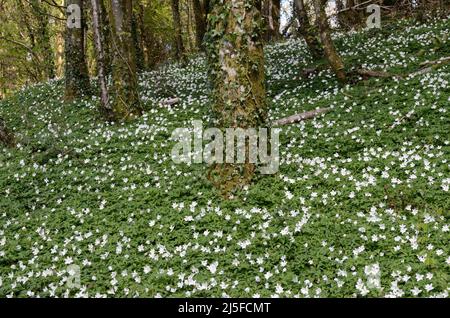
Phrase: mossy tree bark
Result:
[124,72]
[333,57]
[307,31]
[76,71]
[236,59]
[179,47]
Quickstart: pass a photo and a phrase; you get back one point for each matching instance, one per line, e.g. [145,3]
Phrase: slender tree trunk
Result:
[200,15]
[351,16]
[45,46]
[335,61]
[60,54]
[179,47]
[307,31]
[6,136]
[137,43]
[276,19]
[98,40]
[49,56]
[126,97]
[339,7]
[236,59]
[106,36]
[145,38]
[76,72]
[271,15]
[188,26]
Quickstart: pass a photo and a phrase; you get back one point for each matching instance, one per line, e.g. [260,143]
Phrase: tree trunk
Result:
[187,10]
[276,19]
[271,15]
[179,48]
[44,39]
[200,15]
[137,42]
[351,17]
[76,72]
[335,61]
[126,97]
[6,136]
[106,36]
[145,37]
[98,40]
[236,60]
[339,16]
[306,30]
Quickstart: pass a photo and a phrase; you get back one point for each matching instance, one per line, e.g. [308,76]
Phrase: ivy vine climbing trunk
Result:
[236,60]
[307,31]
[333,57]
[179,47]
[125,93]
[76,71]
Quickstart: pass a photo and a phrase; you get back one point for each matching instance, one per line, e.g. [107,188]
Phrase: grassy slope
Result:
[353,190]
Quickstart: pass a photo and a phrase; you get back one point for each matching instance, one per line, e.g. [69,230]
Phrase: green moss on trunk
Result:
[236,62]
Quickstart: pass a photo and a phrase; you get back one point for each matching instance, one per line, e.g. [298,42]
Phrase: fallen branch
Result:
[444,60]
[309,71]
[300,117]
[422,71]
[170,101]
[380,74]
[357,6]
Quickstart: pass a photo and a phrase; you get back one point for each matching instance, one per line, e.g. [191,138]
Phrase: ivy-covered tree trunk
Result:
[76,71]
[125,94]
[333,57]
[236,60]
[179,47]
[307,31]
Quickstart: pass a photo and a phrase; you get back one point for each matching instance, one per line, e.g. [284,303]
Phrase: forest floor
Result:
[360,206]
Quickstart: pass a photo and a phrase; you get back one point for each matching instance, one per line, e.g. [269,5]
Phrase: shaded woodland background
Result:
[33,32]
